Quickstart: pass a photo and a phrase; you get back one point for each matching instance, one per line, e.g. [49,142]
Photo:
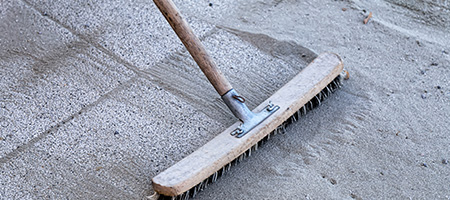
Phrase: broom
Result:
[304,92]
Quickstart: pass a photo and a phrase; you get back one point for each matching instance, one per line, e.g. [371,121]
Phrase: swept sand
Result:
[385,135]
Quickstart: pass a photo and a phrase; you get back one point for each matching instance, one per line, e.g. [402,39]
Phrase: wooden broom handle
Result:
[194,46]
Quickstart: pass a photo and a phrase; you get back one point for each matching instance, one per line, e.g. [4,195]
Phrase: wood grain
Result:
[224,148]
[194,46]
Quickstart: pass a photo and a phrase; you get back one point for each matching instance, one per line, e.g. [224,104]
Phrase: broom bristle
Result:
[314,102]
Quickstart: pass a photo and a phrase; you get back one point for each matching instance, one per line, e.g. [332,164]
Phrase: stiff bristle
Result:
[314,102]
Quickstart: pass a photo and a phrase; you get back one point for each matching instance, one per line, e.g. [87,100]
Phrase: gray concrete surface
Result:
[97,97]
[110,151]
[97,104]
[48,75]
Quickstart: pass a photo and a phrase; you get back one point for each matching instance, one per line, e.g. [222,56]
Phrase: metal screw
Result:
[237,131]
[270,106]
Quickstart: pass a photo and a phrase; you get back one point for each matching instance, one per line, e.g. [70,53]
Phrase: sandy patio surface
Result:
[98,97]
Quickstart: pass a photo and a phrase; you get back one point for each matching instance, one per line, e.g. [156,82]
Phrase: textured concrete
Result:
[105,97]
[134,32]
[97,97]
[80,118]
[48,75]
[112,150]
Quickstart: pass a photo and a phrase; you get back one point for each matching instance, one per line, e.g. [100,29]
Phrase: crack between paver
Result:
[139,74]
[116,58]
[99,47]
[54,128]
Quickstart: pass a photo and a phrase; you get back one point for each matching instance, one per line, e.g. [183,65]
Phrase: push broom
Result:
[305,91]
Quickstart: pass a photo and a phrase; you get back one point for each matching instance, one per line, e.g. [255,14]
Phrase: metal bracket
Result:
[248,118]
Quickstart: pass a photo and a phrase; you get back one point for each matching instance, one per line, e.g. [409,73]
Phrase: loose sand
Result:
[385,135]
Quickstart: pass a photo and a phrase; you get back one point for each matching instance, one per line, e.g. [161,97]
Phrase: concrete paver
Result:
[97,97]
[112,150]
[47,75]
[134,32]
[124,99]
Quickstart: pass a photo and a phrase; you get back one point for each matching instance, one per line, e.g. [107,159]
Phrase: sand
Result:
[98,97]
